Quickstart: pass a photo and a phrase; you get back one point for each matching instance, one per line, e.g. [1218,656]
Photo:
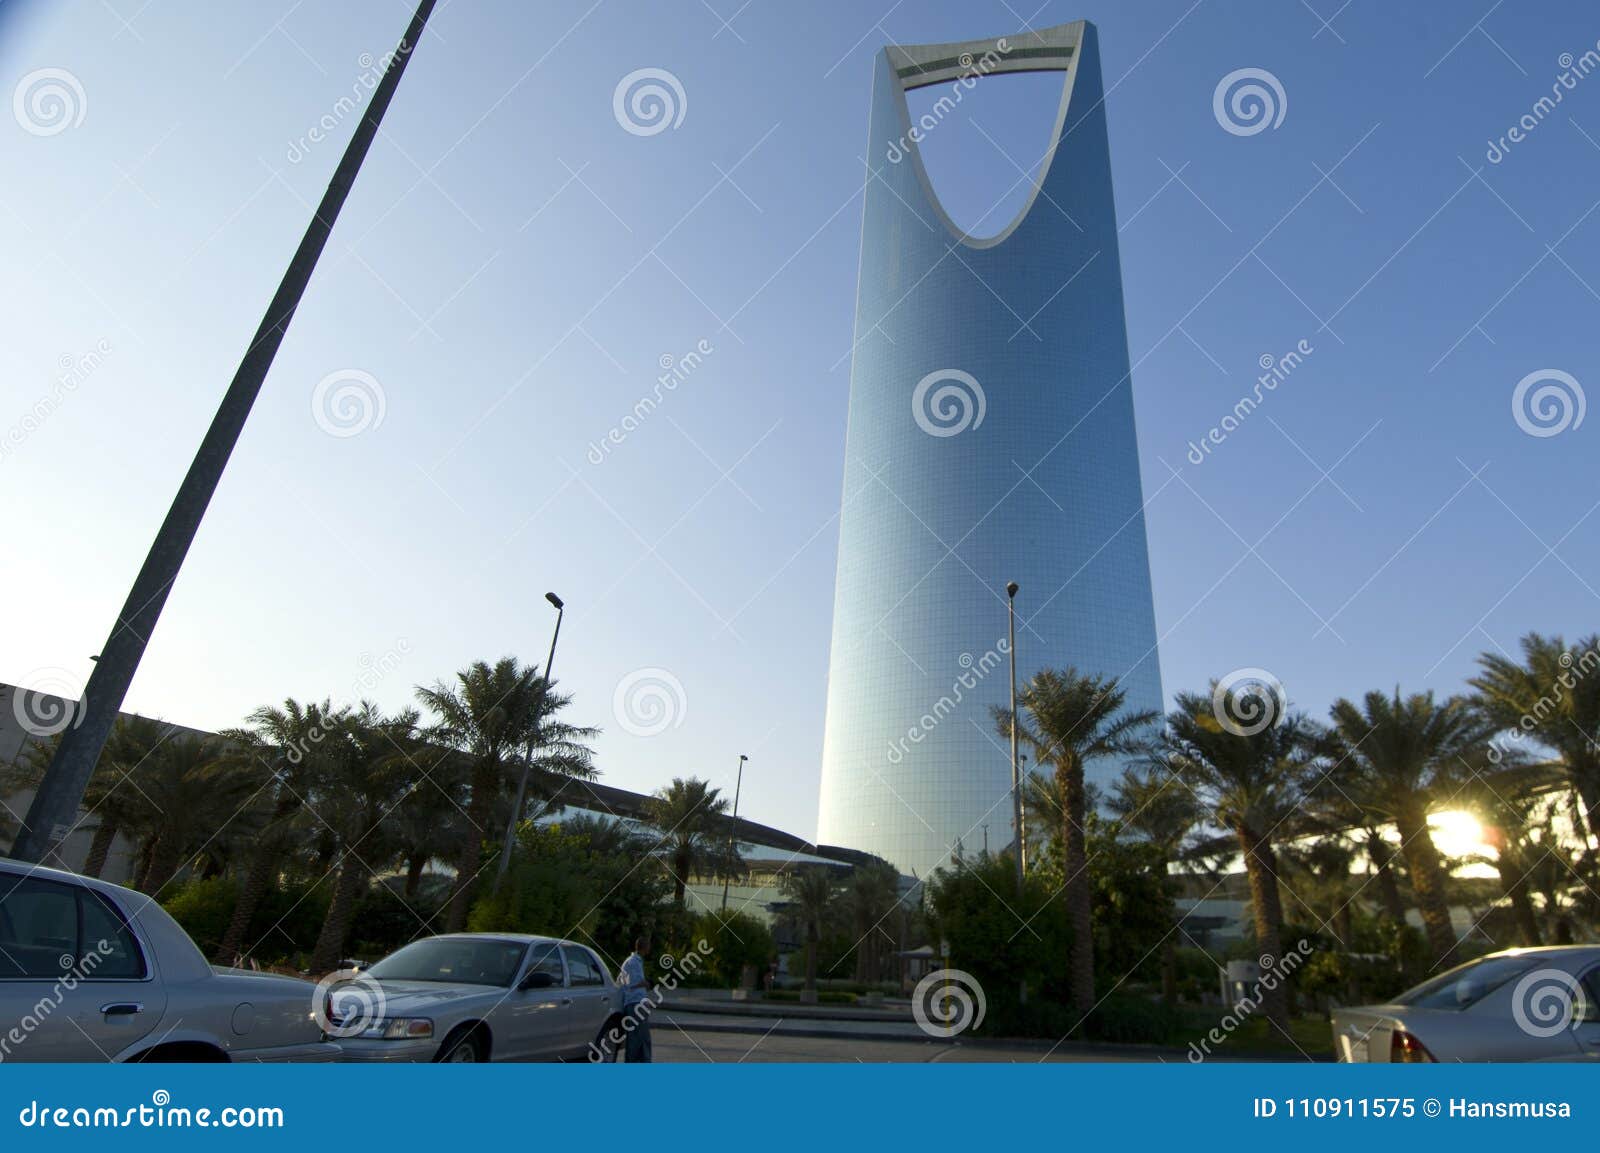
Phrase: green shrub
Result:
[204,909]
[735,940]
[580,879]
[286,923]
[987,941]
[1130,1020]
[282,931]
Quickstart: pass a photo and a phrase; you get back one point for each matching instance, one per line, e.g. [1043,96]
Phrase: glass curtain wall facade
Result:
[991,439]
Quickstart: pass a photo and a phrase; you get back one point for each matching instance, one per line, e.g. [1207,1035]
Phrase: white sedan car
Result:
[468,997]
[1516,1005]
[91,971]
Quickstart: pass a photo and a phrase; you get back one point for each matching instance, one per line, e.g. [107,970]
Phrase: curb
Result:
[1014,1044]
[789,1010]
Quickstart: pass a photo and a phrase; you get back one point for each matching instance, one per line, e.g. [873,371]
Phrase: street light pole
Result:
[54,806]
[738,785]
[1016,774]
[527,764]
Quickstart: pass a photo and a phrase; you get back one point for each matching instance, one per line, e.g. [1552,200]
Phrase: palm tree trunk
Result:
[325,956]
[1078,892]
[1586,783]
[166,857]
[682,862]
[1344,925]
[468,853]
[480,812]
[811,959]
[1515,880]
[1169,970]
[263,865]
[1261,866]
[141,868]
[415,864]
[1428,883]
[1382,856]
[100,848]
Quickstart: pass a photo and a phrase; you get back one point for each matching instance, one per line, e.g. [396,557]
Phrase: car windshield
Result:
[1467,984]
[453,961]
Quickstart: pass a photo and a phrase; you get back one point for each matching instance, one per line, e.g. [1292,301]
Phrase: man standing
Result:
[636,1003]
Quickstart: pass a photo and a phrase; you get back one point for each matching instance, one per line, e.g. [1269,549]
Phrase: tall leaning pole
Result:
[55,805]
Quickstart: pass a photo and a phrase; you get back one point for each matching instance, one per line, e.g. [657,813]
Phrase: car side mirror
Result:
[538,980]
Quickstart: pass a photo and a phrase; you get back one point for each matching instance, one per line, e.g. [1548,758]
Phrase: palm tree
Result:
[427,823]
[1321,864]
[873,893]
[1252,780]
[689,815]
[193,798]
[1511,800]
[557,752]
[1553,695]
[1397,758]
[811,889]
[1155,803]
[1075,719]
[497,716]
[109,796]
[355,789]
[282,749]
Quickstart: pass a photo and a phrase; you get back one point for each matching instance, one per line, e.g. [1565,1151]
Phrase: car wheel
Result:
[604,1050]
[467,1049]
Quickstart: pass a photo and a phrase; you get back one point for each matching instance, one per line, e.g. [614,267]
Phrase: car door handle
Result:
[122,1008]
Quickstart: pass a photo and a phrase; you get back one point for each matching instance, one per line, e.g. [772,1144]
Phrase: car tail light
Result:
[1404,1047]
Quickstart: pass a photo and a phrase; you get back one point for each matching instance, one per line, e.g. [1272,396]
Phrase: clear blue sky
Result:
[513,266]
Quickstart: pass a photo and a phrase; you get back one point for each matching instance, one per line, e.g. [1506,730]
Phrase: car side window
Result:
[38,928]
[109,950]
[51,930]
[545,959]
[585,970]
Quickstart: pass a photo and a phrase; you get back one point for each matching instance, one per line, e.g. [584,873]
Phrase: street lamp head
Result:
[1011,588]
[555,600]
[743,758]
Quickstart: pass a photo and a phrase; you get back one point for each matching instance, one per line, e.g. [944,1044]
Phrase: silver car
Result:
[479,997]
[90,971]
[1516,1005]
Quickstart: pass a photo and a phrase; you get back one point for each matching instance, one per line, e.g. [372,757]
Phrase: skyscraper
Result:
[991,439]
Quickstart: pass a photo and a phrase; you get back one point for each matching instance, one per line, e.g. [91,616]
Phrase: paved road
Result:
[686,1039]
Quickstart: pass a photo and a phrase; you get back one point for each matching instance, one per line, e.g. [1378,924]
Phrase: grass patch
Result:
[825,997]
[1308,1036]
